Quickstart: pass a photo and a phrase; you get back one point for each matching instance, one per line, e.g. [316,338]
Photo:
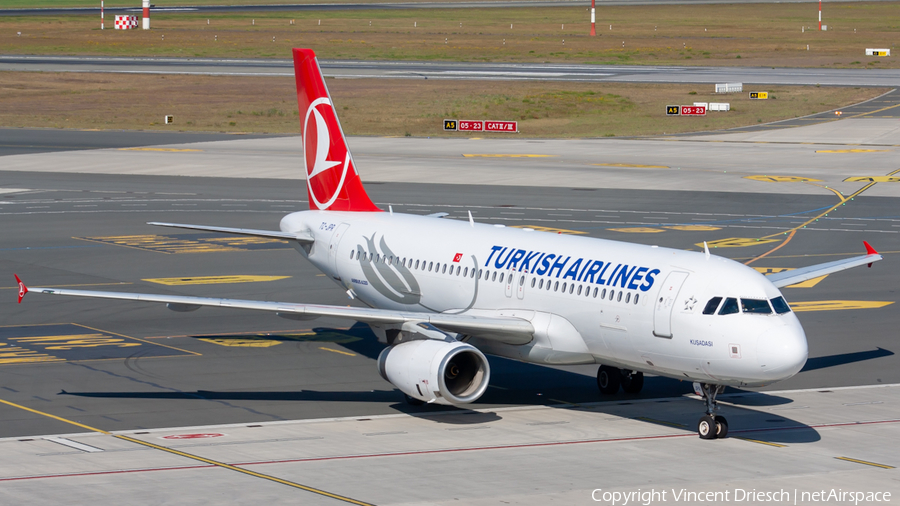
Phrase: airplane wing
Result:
[795,276]
[507,330]
[302,237]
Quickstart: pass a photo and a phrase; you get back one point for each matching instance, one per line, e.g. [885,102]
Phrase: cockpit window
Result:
[730,306]
[780,305]
[756,306]
[712,305]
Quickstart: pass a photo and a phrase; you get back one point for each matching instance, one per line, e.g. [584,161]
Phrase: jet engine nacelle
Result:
[436,371]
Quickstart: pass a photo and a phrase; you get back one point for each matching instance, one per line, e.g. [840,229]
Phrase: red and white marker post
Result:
[594,20]
[820,15]
[146,4]
[101,14]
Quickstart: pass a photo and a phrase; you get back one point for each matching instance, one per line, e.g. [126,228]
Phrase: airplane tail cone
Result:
[331,177]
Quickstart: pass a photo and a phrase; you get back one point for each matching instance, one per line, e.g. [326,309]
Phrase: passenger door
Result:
[665,303]
[339,233]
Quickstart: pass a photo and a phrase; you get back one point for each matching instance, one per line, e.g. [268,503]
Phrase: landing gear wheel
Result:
[609,379]
[706,427]
[721,427]
[412,401]
[632,381]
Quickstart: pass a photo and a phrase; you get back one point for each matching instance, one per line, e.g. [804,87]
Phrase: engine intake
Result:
[436,371]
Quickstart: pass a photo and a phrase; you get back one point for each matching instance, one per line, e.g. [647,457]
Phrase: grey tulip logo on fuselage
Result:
[391,278]
[386,278]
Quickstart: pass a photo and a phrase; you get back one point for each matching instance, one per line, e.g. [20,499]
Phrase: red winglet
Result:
[869,249]
[22,288]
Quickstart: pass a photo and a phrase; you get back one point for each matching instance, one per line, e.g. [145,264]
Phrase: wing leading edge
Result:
[288,236]
[507,330]
[795,276]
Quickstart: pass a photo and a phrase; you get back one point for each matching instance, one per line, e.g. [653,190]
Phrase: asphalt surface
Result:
[369,6]
[123,365]
[19,141]
[457,71]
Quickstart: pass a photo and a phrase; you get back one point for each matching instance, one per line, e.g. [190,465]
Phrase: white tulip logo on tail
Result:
[324,184]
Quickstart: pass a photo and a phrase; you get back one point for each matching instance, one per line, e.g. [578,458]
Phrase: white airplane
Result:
[441,293]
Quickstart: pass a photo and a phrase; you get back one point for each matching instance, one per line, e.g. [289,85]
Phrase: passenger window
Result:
[541,285]
[473,273]
[533,282]
[564,287]
[417,264]
[458,269]
[391,260]
[628,297]
[595,292]
[430,265]
[466,272]
[522,281]
[712,305]
[755,306]
[730,306]
[620,297]
[636,298]
[603,295]
[579,289]
[572,288]
[780,305]
[494,277]
[351,254]
[445,269]
[556,286]
[612,294]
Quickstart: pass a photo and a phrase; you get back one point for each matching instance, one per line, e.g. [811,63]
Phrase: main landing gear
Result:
[609,379]
[711,426]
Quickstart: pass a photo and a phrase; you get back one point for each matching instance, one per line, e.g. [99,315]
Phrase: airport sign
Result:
[470,126]
[693,110]
[501,126]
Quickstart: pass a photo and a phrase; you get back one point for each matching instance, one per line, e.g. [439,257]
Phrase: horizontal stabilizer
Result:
[272,234]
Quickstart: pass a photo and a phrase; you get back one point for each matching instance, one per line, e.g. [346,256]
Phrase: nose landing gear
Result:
[711,426]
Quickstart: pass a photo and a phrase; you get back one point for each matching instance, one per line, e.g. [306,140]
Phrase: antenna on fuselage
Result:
[471,221]
[706,250]
[391,210]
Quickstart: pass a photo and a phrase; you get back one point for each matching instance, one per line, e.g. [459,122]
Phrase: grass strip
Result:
[390,107]
[776,35]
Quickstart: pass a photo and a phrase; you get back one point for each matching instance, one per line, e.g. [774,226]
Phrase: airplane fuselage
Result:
[590,300]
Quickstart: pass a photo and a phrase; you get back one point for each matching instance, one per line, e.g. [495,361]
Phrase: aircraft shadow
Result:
[516,383]
[844,358]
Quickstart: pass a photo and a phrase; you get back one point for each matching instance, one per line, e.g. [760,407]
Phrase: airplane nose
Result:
[782,351]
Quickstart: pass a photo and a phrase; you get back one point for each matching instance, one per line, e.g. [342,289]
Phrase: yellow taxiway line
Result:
[192,456]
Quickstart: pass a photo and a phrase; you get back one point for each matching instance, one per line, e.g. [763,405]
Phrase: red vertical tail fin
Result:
[331,177]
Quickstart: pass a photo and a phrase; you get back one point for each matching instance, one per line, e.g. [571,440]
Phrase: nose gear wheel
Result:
[711,425]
